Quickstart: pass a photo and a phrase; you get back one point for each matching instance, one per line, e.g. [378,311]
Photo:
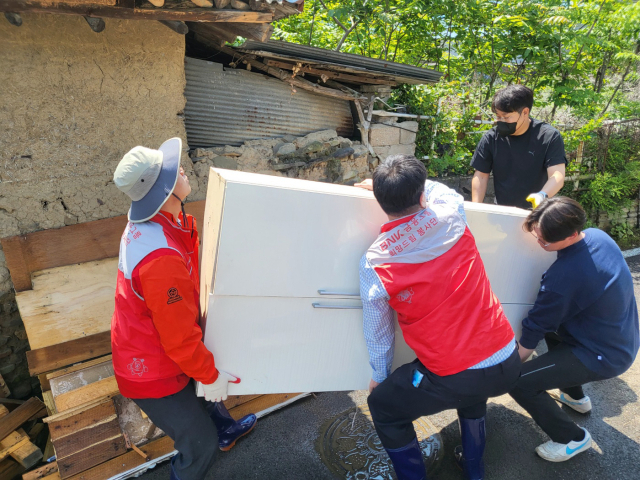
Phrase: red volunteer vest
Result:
[138,355]
[437,284]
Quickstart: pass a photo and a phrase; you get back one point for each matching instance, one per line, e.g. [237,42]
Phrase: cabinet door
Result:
[279,242]
[284,345]
[512,258]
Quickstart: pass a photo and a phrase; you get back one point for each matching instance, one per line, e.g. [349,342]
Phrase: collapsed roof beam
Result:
[195,14]
[178,27]
[288,78]
[13,18]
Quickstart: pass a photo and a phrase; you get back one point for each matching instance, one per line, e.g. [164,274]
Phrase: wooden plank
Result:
[345,77]
[27,411]
[91,456]
[41,472]
[263,402]
[27,455]
[56,356]
[48,401]
[11,443]
[255,31]
[82,419]
[129,460]
[69,302]
[88,393]
[81,439]
[105,11]
[16,257]
[81,243]
[54,476]
[235,400]
[10,469]
[78,366]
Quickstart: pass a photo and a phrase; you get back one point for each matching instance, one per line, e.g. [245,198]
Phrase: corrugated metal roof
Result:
[372,65]
[227,107]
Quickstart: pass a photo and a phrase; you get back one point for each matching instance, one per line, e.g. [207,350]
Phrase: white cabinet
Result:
[273,247]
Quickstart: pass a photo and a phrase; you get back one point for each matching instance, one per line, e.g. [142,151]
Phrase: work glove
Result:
[217,391]
[535,199]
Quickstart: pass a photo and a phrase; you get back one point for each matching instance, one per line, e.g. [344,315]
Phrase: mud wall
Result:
[72,102]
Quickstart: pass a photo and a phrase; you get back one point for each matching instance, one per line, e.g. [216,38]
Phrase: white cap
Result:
[138,171]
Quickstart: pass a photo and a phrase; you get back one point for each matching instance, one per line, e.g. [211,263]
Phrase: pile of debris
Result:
[23,439]
[320,156]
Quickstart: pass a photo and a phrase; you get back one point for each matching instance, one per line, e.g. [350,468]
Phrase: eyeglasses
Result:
[540,241]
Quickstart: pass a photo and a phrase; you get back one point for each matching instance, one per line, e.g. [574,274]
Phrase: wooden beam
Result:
[85,437]
[240,5]
[84,242]
[77,367]
[105,387]
[260,32]
[288,78]
[123,463]
[10,469]
[56,356]
[82,420]
[25,412]
[345,77]
[178,27]
[19,446]
[40,472]
[91,456]
[196,14]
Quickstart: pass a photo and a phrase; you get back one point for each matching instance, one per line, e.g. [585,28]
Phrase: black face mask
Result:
[507,128]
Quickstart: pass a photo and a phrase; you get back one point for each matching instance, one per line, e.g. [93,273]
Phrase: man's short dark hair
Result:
[398,183]
[557,218]
[513,98]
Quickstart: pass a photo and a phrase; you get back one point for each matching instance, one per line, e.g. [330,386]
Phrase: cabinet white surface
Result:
[273,247]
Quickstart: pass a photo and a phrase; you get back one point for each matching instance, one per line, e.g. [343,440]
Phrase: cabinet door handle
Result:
[345,294]
[320,305]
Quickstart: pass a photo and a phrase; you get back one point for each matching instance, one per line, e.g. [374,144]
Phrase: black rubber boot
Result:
[469,454]
[229,430]
[407,461]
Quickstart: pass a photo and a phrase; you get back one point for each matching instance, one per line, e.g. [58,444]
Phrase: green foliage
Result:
[578,57]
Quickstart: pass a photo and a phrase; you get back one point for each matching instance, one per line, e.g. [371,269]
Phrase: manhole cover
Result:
[351,449]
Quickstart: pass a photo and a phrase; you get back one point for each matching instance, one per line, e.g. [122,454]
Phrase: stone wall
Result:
[387,136]
[321,156]
[72,102]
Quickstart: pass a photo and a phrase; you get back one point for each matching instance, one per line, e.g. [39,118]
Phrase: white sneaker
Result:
[583,405]
[560,452]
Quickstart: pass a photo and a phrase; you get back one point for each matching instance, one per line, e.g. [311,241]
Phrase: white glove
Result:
[217,391]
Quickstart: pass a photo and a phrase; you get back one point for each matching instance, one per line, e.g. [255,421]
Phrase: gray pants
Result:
[184,418]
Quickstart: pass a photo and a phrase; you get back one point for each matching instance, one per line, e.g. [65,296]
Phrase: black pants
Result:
[184,418]
[396,403]
[559,368]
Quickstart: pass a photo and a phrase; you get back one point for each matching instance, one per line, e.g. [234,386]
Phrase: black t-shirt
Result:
[519,163]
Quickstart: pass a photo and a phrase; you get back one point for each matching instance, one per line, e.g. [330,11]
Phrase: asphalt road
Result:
[283,444]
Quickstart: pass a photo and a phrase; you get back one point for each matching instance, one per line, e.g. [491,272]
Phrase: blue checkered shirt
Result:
[378,316]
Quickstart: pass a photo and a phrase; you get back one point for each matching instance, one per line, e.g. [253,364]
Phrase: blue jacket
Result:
[587,297]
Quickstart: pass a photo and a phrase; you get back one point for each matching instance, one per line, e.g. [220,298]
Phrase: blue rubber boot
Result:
[407,461]
[469,454]
[174,475]
[229,430]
